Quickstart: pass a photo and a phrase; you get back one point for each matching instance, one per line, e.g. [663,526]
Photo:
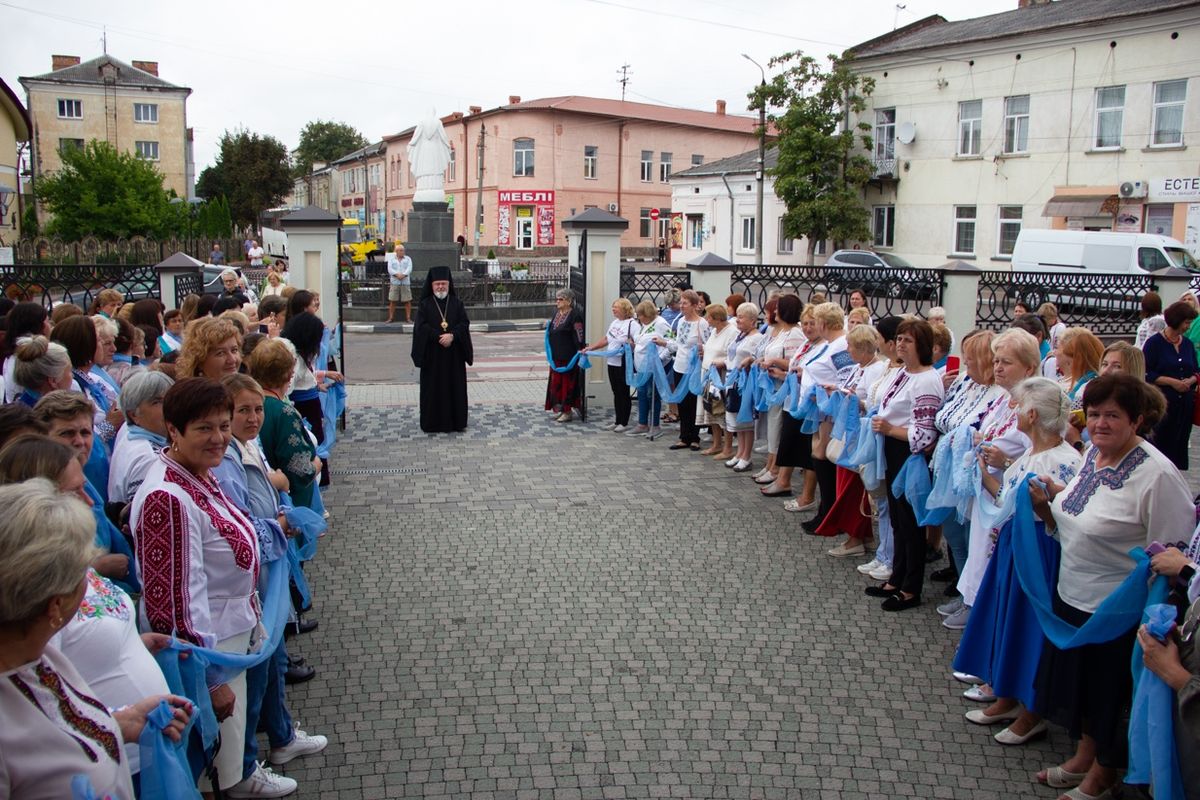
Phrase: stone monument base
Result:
[430,240]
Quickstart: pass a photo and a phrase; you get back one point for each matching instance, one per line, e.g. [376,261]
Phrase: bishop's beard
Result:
[441,295]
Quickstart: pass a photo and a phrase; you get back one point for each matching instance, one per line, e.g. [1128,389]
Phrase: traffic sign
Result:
[654,214]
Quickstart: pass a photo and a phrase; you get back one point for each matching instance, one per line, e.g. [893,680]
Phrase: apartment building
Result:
[1072,114]
[14,128]
[321,187]
[359,184]
[546,159]
[127,105]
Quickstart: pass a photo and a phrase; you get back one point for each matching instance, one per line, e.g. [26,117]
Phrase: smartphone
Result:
[262,328]
[952,363]
[1154,548]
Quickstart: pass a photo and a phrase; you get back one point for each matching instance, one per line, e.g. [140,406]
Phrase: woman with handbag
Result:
[738,358]
[620,331]
[711,412]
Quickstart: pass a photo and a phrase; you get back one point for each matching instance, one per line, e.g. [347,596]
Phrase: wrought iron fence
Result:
[479,290]
[1195,287]
[132,251]
[1107,304]
[653,284]
[53,284]
[888,292]
[189,283]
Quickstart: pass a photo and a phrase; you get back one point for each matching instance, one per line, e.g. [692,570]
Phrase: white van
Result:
[1043,250]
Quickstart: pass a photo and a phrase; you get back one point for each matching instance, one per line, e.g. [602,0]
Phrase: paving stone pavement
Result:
[553,611]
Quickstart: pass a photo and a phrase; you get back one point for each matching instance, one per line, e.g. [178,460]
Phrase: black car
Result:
[876,274]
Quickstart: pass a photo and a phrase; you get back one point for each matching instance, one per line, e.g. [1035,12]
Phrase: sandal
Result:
[1059,778]
[1079,794]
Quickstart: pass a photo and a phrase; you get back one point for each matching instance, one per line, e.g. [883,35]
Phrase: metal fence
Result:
[888,292]
[188,283]
[478,290]
[653,284]
[1108,304]
[132,251]
[53,284]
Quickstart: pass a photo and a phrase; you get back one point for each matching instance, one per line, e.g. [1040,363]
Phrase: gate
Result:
[577,281]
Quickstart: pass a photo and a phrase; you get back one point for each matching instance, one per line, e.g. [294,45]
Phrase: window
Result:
[647,166]
[885,135]
[523,158]
[695,231]
[748,238]
[1010,227]
[145,112]
[644,226]
[1152,259]
[1168,112]
[70,144]
[147,150]
[590,154]
[70,109]
[786,243]
[1160,219]
[697,159]
[822,248]
[970,127]
[885,225]
[664,167]
[1110,114]
[964,229]
[1016,124]
[452,166]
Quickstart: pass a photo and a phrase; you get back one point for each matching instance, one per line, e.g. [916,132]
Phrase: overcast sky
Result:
[271,66]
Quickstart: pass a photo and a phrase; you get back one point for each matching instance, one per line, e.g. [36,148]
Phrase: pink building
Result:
[547,159]
[360,190]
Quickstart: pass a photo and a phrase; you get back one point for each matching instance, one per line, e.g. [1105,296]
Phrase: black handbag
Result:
[733,400]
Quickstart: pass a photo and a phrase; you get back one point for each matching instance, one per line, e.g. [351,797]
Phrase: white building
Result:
[712,200]
[1072,114]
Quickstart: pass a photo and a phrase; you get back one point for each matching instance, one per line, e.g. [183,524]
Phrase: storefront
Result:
[524,219]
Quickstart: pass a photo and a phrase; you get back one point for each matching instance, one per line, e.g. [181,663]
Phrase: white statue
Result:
[428,155]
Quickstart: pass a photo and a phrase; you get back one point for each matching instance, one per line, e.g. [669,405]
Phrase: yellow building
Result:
[127,105]
[14,128]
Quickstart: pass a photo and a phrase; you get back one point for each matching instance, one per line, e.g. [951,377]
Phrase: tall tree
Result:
[252,173]
[822,165]
[324,141]
[104,192]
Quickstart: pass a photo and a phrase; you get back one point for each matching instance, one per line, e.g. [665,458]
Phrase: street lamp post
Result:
[762,159]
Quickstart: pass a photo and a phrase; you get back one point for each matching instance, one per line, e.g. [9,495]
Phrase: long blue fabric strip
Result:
[1153,757]
[165,774]
[912,483]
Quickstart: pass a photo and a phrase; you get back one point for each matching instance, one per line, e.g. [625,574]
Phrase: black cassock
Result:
[443,369]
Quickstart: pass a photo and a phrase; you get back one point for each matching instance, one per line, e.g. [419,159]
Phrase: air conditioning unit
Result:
[1133,189]
[613,208]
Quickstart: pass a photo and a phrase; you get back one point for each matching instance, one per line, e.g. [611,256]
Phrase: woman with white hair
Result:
[232,291]
[40,366]
[54,726]
[1003,639]
[738,358]
[142,438]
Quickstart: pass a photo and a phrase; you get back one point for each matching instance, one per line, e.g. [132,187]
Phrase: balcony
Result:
[884,169]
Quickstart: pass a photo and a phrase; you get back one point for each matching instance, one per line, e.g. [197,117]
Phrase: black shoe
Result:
[810,526]
[951,590]
[897,602]
[295,661]
[879,591]
[944,575]
[298,674]
[932,555]
[298,627]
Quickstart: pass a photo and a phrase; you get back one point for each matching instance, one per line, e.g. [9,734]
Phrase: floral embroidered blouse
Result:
[288,447]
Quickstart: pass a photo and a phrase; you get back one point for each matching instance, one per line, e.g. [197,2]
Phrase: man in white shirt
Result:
[255,254]
[399,267]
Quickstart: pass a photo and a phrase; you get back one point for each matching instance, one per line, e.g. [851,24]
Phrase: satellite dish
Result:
[906,132]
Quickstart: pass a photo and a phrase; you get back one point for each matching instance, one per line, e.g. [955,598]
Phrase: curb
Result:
[496,326]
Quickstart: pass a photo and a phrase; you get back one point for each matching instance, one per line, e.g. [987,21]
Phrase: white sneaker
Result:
[762,448]
[881,573]
[869,567]
[640,430]
[951,608]
[262,783]
[301,745]
[619,428]
[610,426]
[732,462]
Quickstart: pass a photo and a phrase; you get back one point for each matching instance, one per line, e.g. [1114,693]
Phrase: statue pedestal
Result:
[430,240]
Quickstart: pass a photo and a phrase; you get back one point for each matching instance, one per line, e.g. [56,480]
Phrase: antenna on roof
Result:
[104,39]
[625,74]
[896,18]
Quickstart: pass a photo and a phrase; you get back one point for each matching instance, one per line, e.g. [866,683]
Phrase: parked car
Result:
[212,281]
[886,277]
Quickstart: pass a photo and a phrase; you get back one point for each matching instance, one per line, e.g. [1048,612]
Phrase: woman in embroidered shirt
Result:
[306,332]
[140,441]
[905,420]
[1003,639]
[78,335]
[566,339]
[55,727]
[621,331]
[1126,495]
[1171,366]
[786,341]
[739,358]
[650,327]
[794,449]
[716,350]
[198,555]
[286,443]
[691,331]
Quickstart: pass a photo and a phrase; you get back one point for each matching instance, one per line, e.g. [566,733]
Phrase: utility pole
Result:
[625,74]
[762,158]
[479,190]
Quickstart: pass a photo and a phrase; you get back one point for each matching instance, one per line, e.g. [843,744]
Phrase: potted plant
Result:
[500,295]
[520,272]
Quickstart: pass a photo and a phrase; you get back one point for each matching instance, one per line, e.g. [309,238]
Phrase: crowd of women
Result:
[1048,466]
[160,475]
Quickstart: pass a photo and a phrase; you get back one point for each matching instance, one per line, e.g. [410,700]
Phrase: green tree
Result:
[101,191]
[252,173]
[822,168]
[324,141]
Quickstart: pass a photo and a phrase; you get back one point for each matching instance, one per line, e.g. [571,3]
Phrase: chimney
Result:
[1028,3]
[475,109]
[721,107]
[147,66]
[62,62]
[513,99]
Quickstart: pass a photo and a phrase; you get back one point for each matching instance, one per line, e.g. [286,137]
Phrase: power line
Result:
[724,25]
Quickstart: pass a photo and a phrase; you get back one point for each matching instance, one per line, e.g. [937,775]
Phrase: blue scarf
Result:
[1153,758]
[28,398]
[138,433]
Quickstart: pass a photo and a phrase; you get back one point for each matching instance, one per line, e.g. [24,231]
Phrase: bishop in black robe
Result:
[442,350]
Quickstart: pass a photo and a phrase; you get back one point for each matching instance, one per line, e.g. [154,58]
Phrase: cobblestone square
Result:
[534,610]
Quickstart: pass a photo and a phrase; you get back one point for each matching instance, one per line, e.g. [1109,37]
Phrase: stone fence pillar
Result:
[960,298]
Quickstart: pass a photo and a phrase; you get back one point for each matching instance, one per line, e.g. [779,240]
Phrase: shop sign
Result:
[534,205]
[1179,189]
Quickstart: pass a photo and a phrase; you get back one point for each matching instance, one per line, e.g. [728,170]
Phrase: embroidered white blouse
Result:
[688,336]
[198,557]
[911,401]
[644,342]
[131,460]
